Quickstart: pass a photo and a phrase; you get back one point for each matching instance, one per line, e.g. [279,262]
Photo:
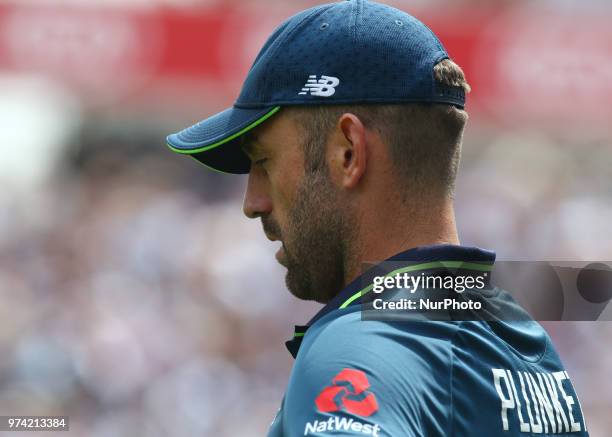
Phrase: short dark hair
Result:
[424,138]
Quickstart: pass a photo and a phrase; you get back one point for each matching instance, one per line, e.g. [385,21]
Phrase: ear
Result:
[347,151]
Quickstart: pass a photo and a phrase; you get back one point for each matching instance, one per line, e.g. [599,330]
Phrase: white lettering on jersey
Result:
[549,407]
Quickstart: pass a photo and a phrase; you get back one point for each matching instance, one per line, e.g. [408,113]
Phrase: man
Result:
[349,125]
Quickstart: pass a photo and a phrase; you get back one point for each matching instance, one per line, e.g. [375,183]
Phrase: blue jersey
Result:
[355,377]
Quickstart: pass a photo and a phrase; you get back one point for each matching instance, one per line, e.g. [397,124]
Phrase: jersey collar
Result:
[350,294]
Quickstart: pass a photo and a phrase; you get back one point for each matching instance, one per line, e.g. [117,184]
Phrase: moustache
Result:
[271,228]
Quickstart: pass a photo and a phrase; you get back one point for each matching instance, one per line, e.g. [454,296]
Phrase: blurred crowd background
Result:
[134,295]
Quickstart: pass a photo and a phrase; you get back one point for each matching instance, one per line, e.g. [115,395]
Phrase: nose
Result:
[257,202]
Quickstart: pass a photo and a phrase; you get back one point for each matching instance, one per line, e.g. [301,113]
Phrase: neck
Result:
[386,234]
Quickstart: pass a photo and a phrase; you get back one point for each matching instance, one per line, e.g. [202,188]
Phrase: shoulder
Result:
[343,335]
[404,366]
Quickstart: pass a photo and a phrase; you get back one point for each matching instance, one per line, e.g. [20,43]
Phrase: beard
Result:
[316,241]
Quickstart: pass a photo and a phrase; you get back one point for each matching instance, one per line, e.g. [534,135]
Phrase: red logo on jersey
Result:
[348,392]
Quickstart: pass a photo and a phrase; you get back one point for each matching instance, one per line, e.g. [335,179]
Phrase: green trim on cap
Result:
[425,266]
[230,138]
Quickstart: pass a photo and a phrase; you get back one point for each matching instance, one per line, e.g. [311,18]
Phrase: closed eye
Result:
[260,161]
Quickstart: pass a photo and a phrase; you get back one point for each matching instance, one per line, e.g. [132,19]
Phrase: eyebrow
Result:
[250,144]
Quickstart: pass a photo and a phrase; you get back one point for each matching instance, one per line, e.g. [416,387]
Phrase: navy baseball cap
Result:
[350,52]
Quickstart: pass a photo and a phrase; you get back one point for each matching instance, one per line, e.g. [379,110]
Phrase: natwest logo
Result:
[348,392]
[341,424]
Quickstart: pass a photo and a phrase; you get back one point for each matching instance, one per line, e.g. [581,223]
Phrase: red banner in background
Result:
[540,64]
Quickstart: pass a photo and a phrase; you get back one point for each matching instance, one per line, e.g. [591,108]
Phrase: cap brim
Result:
[215,141]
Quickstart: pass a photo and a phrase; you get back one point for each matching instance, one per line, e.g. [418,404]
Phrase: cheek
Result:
[285,186]
[286,174]
[282,199]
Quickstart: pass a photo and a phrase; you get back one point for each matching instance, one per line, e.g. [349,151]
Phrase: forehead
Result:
[279,131]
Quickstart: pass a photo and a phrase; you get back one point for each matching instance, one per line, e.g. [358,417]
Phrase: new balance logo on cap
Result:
[324,87]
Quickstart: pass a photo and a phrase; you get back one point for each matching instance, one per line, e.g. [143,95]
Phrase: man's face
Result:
[305,211]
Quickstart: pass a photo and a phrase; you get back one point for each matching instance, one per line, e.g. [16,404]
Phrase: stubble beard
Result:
[318,240]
